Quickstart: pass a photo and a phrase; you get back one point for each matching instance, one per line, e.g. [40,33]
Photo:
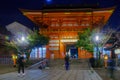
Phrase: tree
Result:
[32,40]
[12,46]
[37,40]
[85,40]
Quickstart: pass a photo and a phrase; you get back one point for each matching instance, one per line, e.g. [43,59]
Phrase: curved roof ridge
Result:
[76,9]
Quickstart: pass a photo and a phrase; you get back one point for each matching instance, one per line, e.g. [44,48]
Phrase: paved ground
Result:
[79,70]
[5,68]
[52,75]
[105,74]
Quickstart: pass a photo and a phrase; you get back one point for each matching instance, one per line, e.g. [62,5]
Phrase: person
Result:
[92,61]
[21,62]
[67,62]
[111,67]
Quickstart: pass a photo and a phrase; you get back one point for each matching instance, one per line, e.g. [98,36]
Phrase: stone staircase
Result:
[74,64]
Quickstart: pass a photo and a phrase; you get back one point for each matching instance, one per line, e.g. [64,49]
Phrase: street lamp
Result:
[21,41]
[97,53]
[23,38]
[97,38]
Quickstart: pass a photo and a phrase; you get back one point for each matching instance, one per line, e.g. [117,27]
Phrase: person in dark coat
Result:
[92,62]
[21,62]
[111,67]
[67,62]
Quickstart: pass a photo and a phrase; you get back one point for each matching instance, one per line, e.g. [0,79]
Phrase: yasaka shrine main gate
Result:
[63,25]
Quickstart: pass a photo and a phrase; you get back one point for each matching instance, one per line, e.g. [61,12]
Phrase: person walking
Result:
[21,62]
[92,62]
[67,62]
[111,67]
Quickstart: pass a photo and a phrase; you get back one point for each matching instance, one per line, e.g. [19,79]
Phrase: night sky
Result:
[9,9]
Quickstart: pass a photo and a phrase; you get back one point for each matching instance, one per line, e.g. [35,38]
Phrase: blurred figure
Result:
[111,67]
[67,62]
[92,61]
[21,62]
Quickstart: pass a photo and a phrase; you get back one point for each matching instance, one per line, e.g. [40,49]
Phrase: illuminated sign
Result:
[54,41]
[53,44]
[69,40]
[54,48]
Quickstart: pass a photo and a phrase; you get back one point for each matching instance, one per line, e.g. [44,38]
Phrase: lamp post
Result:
[97,47]
[98,63]
[23,38]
